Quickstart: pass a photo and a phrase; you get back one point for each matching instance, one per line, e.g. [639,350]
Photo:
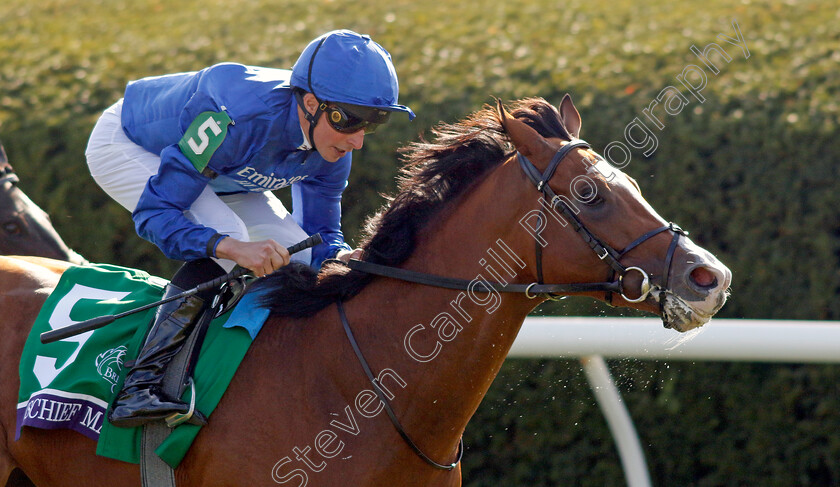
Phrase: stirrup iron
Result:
[192,416]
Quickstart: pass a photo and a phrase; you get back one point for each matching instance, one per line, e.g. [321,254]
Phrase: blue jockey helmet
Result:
[346,67]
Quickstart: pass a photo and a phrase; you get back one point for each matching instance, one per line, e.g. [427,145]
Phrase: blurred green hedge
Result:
[751,172]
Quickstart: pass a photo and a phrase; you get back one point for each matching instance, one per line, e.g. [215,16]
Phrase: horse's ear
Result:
[570,116]
[504,115]
[526,140]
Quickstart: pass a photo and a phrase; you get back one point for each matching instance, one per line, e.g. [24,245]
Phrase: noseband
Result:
[604,251]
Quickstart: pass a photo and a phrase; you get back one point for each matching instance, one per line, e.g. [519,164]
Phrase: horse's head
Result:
[25,229]
[596,213]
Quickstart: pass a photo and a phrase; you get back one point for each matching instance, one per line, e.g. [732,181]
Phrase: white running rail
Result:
[591,339]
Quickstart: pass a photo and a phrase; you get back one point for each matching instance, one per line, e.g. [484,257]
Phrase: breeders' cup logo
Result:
[109,364]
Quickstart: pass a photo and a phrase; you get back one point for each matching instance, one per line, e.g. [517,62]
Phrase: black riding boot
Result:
[142,399]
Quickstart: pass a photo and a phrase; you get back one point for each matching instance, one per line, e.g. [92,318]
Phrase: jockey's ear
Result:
[570,116]
[526,140]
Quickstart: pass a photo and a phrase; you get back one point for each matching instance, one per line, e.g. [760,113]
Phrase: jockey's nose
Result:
[357,139]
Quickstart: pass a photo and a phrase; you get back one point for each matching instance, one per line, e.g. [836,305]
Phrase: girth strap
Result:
[387,405]
[154,472]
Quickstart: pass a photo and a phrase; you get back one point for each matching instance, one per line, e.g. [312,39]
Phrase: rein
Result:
[531,290]
[388,409]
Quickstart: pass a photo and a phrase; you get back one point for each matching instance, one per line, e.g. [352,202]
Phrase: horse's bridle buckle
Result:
[606,253]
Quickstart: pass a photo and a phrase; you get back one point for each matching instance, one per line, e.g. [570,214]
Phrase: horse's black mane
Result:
[434,174]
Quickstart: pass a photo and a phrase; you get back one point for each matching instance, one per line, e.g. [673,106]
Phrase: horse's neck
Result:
[447,345]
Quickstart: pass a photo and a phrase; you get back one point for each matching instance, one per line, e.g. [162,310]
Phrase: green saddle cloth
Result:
[69,383]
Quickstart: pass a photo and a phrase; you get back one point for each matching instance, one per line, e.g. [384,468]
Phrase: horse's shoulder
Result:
[27,272]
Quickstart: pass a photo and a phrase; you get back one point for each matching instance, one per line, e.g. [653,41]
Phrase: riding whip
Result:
[99,322]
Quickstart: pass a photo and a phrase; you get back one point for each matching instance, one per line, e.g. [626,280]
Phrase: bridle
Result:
[612,257]
[614,284]
[604,251]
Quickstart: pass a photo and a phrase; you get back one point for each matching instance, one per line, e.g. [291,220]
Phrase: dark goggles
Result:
[349,119]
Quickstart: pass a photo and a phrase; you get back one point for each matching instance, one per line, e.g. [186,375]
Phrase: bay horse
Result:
[25,229]
[301,409]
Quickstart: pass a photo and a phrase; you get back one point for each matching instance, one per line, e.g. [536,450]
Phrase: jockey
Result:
[194,156]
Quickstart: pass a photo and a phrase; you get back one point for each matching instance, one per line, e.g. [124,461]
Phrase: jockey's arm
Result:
[317,209]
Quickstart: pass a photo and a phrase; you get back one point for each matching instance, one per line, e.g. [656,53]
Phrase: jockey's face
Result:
[331,144]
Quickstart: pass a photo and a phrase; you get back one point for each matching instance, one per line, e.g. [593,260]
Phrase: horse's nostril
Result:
[703,278]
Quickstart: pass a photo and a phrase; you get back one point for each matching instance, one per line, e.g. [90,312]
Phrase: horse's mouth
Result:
[680,315]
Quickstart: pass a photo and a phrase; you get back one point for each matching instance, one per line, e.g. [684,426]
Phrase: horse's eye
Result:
[587,193]
[594,200]
[12,228]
